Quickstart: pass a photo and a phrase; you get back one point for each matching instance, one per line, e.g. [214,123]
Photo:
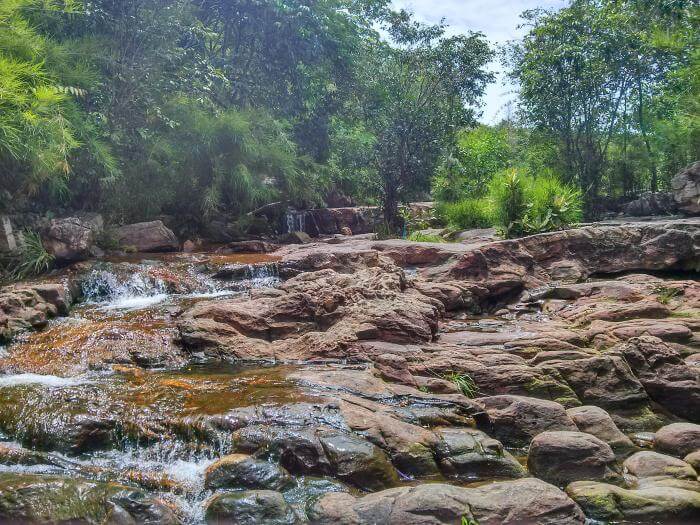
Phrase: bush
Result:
[33,259]
[552,205]
[468,213]
[507,192]
[525,205]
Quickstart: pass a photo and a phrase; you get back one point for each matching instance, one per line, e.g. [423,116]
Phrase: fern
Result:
[33,259]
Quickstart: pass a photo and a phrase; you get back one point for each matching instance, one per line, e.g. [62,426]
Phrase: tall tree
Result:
[422,90]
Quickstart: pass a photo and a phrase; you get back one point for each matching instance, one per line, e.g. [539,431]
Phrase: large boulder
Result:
[241,471]
[502,503]
[596,421]
[151,236]
[650,504]
[686,189]
[250,507]
[359,462]
[562,457]
[678,439]
[471,455]
[515,420]
[73,238]
[648,204]
[27,306]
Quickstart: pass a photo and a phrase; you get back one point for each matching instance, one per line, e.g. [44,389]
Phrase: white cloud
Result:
[497,19]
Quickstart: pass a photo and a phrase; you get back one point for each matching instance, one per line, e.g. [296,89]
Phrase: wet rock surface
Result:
[364,382]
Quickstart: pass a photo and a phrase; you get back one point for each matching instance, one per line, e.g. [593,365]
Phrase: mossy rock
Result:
[37,499]
[602,501]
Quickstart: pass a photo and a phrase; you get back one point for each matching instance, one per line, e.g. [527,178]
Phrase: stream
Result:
[139,425]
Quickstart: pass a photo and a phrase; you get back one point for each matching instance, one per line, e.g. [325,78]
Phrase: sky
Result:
[497,19]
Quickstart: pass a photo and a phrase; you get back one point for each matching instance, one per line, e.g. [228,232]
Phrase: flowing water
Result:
[107,394]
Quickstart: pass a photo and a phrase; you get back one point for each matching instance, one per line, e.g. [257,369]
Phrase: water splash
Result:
[42,380]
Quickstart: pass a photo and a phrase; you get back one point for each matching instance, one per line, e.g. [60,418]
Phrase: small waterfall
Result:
[247,276]
[116,290]
[296,221]
[130,286]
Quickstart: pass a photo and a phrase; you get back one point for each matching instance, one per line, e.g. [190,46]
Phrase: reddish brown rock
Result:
[562,457]
[515,420]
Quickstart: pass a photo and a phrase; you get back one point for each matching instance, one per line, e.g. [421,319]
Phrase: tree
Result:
[42,126]
[588,74]
[420,91]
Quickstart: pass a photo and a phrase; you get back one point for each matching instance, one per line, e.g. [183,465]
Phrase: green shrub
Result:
[424,237]
[467,213]
[525,205]
[507,192]
[552,205]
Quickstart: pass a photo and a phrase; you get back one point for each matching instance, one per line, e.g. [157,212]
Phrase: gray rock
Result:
[27,498]
[359,462]
[72,239]
[649,204]
[238,471]
[686,189]
[653,503]
[471,455]
[251,507]
[151,236]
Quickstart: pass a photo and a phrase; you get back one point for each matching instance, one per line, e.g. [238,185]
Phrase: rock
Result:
[647,464]
[296,238]
[649,204]
[666,377]
[605,381]
[678,439]
[506,267]
[72,239]
[242,471]
[651,504]
[26,498]
[248,247]
[597,422]
[693,459]
[331,221]
[686,189]
[471,455]
[27,306]
[8,239]
[359,462]
[250,507]
[560,457]
[515,420]
[147,237]
[501,503]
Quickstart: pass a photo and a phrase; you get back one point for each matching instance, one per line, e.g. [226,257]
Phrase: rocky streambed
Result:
[552,379]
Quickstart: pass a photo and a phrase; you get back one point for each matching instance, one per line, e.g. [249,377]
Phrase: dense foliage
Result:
[614,83]
[202,108]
